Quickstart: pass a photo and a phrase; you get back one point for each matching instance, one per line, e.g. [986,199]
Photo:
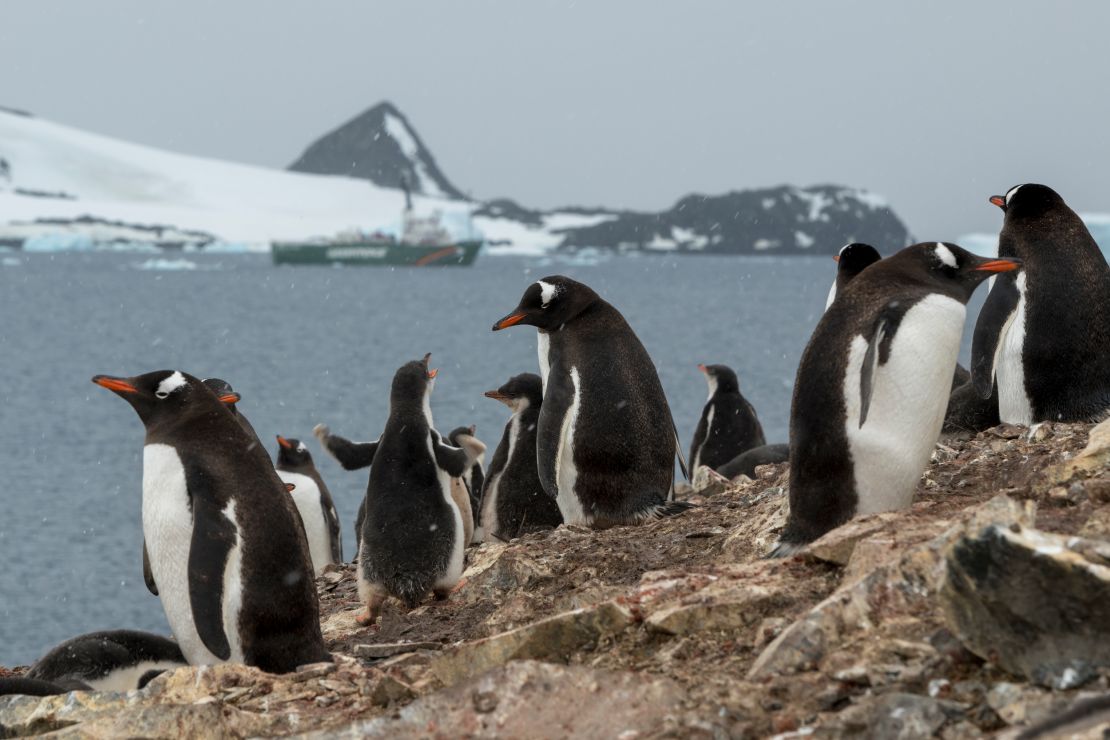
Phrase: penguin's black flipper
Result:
[455,460]
[148,575]
[351,455]
[878,352]
[995,315]
[678,451]
[213,537]
[334,531]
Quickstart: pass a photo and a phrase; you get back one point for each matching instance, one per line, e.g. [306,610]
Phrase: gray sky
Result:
[623,103]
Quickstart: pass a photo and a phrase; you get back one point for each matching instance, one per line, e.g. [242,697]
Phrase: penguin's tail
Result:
[671,508]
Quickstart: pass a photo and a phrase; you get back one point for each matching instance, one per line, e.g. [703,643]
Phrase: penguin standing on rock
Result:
[113,660]
[606,440]
[728,425]
[873,384]
[313,500]
[413,536]
[851,261]
[514,500]
[232,568]
[1043,333]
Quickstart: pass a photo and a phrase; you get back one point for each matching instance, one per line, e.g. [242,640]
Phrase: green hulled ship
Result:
[424,242]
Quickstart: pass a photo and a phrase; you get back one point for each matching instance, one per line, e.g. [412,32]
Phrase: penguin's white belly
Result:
[832,296]
[543,347]
[566,474]
[704,442]
[127,678]
[306,496]
[908,399]
[168,529]
[1014,406]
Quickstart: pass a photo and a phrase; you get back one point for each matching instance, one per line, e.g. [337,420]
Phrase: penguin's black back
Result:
[408,531]
[624,440]
[92,656]
[1067,319]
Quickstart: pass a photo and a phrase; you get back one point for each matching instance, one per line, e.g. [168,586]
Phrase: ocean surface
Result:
[306,345]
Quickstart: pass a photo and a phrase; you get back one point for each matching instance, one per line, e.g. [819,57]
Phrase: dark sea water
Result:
[307,345]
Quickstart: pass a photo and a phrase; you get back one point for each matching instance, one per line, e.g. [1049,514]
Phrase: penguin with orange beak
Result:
[313,500]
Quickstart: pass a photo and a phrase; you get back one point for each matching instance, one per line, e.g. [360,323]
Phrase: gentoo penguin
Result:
[967,412]
[351,456]
[474,477]
[230,398]
[1043,333]
[412,537]
[850,261]
[232,567]
[606,441]
[728,424]
[872,386]
[113,660]
[746,462]
[514,501]
[310,494]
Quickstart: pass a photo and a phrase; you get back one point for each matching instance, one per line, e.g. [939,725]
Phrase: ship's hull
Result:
[461,254]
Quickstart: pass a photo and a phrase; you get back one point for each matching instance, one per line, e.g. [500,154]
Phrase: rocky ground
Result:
[982,611]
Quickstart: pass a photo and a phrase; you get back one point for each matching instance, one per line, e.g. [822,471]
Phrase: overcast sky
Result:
[623,103]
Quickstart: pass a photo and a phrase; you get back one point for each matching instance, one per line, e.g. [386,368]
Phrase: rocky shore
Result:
[980,612]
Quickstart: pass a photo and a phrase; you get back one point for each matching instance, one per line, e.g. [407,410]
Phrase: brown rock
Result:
[553,638]
[534,700]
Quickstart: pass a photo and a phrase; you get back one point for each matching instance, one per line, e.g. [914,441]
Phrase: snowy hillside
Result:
[62,188]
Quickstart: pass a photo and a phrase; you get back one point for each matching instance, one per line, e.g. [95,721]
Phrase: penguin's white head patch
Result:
[548,291]
[944,254]
[1011,193]
[174,382]
[301,447]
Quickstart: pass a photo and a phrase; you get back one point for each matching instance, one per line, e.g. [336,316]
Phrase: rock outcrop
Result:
[979,611]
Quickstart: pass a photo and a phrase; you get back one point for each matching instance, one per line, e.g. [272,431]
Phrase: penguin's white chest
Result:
[566,473]
[1014,406]
[306,496]
[908,399]
[543,351]
[168,530]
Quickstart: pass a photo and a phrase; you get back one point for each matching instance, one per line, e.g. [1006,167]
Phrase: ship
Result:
[424,242]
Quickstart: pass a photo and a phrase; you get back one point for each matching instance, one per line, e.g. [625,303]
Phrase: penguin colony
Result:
[232,540]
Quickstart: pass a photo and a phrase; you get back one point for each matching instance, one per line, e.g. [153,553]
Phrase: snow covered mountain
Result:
[381,146]
[62,188]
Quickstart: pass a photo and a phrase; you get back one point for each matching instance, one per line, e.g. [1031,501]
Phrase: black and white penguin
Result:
[746,462]
[873,384]
[113,660]
[728,424]
[1043,333]
[606,439]
[851,261]
[514,501]
[413,536]
[232,568]
[310,494]
[230,398]
[474,478]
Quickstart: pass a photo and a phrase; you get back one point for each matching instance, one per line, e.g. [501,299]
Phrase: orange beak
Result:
[999,200]
[496,395]
[505,323]
[701,367]
[230,398]
[433,373]
[999,265]
[284,442]
[116,385]
[836,258]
